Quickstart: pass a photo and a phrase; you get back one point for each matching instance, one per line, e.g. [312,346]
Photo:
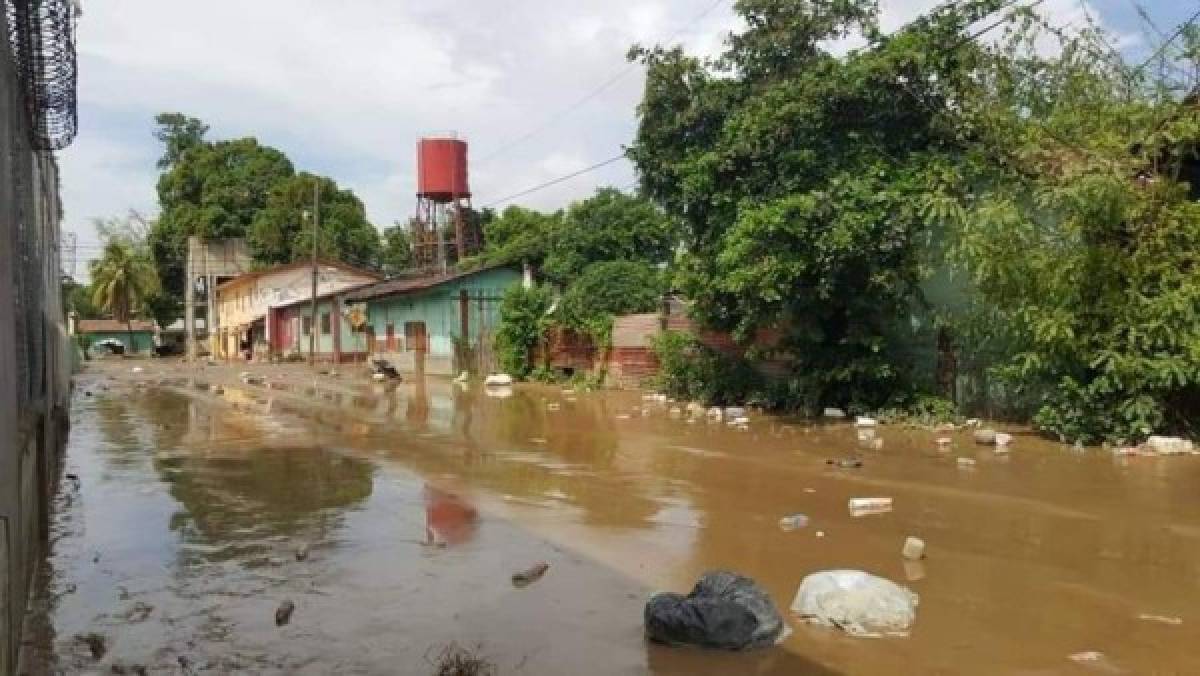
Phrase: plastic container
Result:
[864,504]
[914,549]
[793,522]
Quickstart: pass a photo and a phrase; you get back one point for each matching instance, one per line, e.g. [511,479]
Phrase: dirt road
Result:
[416,502]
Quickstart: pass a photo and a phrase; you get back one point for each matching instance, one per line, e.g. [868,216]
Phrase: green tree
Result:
[213,190]
[122,280]
[240,188]
[178,134]
[608,226]
[1083,242]
[796,176]
[134,229]
[608,289]
[520,235]
[77,298]
[396,254]
[282,231]
[523,322]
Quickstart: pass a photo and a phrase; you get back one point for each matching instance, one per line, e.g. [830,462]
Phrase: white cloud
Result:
[346,88]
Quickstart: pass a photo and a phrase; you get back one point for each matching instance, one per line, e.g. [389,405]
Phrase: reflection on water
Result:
[449,519]
[420,498]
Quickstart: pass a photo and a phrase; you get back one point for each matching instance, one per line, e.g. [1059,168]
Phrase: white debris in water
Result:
[1162,619]
[498,380]
[864,421]
[1169,445]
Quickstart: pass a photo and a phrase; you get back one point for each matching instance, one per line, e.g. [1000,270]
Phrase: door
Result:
[415,339]
[391,337]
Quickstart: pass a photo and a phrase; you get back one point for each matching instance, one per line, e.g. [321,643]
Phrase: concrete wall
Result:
[441,311]
[34,375]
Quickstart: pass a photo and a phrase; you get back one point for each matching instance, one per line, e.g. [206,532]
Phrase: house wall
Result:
[241,303]
[342,343]
[441,311]
[143,341]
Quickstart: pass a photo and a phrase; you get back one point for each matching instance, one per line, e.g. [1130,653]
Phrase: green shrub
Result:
[522,323]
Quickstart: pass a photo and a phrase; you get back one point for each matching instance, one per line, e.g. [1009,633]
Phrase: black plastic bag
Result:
[724,610]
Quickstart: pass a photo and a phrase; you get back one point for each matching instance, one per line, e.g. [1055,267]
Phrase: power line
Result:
[604,86]
[1167,43]
[555,181]
[560,179]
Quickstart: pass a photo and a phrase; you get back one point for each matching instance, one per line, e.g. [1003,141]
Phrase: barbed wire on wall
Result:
[41,36]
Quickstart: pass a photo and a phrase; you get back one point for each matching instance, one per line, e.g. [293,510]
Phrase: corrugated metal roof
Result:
[322,297]
[286,267]
[404,285]
[112,325]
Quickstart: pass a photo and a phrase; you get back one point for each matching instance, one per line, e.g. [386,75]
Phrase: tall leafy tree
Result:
[796,175]
[282,231]
[240,188]
[213,190]
[609,226]
[178,134]
[122,280]
[396,254]
[520,235]
[1083,241]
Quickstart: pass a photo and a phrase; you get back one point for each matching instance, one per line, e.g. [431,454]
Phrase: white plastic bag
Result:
[856,602]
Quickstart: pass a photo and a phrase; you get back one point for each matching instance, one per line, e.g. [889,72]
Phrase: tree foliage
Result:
[1057,183]
[608,226]
[601,254]
[796,175]
[608,289]
[523,322]
[282,231]
[520,235]
[122,279]
[1084,250]
[240,188]
[396,253]
[178,133]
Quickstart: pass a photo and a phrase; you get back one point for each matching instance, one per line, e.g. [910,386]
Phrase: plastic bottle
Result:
[857,504]
[793,522]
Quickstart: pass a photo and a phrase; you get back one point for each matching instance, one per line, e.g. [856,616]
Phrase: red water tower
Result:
[444,230]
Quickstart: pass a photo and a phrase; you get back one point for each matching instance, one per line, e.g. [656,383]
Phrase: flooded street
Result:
[414,504]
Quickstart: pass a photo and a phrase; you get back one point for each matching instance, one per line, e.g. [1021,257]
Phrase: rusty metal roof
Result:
[404,285]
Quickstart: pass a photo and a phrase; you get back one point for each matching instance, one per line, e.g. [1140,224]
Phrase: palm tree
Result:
[121,281]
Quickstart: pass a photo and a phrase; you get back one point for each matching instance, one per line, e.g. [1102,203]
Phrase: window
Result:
[307,325]
[325,327]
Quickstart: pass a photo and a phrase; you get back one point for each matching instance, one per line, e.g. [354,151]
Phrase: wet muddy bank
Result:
[418,502]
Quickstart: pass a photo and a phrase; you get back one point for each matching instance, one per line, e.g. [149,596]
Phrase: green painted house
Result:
[438,324]
[102,336]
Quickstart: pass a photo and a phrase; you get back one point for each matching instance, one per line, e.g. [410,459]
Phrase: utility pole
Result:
[312,334]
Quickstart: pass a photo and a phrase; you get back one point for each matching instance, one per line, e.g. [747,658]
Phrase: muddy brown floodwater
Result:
[415,503]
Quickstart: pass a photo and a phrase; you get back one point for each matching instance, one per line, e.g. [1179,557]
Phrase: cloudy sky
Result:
[346,88]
